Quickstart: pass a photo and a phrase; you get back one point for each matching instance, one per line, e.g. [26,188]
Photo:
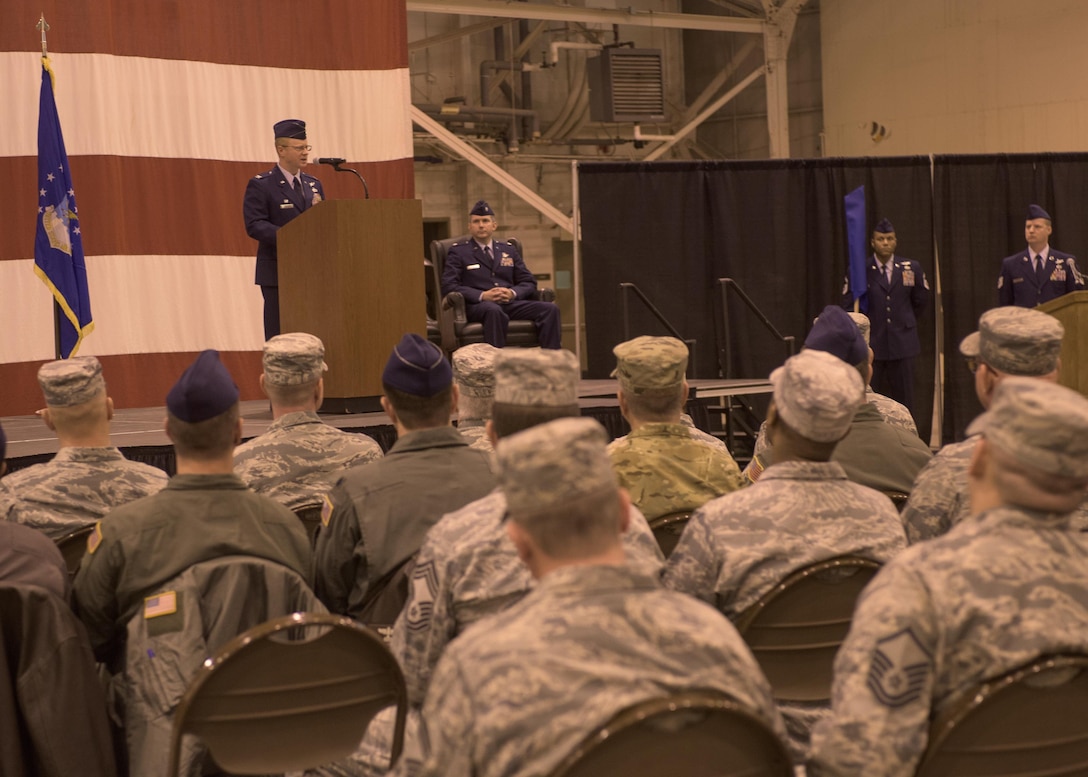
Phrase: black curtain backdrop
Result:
[777,227]
[983,203]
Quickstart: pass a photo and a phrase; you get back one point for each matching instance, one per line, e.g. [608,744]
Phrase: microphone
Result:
[330,160]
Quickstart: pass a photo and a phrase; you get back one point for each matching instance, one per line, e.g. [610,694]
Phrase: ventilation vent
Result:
[627,85]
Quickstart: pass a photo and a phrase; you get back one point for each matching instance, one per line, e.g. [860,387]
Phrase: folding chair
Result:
[796,628]
[668,528]
[699,734]
[73,545]
[278,699]
[1031,720]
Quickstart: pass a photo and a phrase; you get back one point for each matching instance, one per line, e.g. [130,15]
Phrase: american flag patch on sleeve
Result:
[165,603]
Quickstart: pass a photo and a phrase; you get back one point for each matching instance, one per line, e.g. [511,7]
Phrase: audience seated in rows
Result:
[1010,341]
[992,594]
[803,509]
[514,694]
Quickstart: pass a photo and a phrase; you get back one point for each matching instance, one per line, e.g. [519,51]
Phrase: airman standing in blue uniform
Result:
[1038,273]
[898,293]
[272,199]
[496,284]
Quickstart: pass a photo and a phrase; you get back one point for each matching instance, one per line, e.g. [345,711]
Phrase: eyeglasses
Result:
[299,148]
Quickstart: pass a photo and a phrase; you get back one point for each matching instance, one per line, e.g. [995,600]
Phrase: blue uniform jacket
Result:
[270,203]
[468,271]
[894,308]
[1018,284]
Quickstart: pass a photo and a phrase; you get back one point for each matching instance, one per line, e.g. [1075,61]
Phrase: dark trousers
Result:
[895,378]
[496,319]
[271,311]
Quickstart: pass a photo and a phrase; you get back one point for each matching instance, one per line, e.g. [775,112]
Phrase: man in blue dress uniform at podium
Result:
[274,198]
[1038,273]
[496,284]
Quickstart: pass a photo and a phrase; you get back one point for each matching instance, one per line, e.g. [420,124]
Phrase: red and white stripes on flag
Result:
[168,111]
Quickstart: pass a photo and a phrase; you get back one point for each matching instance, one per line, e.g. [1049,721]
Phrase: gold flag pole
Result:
[43,26]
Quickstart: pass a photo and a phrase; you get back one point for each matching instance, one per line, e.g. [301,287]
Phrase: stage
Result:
[716,406]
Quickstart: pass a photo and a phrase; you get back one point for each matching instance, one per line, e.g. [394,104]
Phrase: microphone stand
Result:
[362,180]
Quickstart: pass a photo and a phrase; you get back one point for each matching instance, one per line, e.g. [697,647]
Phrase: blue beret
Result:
[837,334]
[481,208]
[1035,212]
[203,391]
[417,367]
[884,226]
[3,444]
[290,128]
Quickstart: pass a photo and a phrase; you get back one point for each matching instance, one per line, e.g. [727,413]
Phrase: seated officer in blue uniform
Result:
[496,284]
[274,198]
[1037,273]
[898,293]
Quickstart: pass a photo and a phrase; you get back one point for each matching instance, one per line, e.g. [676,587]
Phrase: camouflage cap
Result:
[650,363]
[1039,424]
[553,464]
[1017,341]
[68,382]
[817,394]
[474,369]
[536,377]
[863,323]
[293,358]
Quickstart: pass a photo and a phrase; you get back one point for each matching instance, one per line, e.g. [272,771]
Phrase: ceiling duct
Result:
[627,85]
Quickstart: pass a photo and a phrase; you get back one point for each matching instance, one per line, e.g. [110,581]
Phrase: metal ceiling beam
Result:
[566,13]
[486,166]
[460,32]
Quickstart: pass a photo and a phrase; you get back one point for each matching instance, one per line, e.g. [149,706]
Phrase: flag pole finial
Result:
[43,26]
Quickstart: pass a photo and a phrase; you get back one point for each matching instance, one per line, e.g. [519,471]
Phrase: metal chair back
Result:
[796,628]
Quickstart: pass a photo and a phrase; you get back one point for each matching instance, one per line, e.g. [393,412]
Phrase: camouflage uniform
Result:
[987,597]
[1010,340]
[693,431]
[515,694]
[994,593]
[475,431]
[666,470]
[468,569]
[80,485]
[300,457]
[76,488]
[661,464]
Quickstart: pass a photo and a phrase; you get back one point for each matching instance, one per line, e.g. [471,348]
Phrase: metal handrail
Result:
[625,289]
[726,351]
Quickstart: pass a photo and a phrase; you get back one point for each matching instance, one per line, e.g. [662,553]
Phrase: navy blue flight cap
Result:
[417,367]
[481,208]
[1035,212]
[884,227]
[290,128]
[203,391]
[3,444]
[837,334]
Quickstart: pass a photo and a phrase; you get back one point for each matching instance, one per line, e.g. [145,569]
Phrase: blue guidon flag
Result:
[857,244]
[58,245]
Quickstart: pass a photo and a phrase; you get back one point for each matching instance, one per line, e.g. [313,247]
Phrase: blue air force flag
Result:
[857,243]
[58,245]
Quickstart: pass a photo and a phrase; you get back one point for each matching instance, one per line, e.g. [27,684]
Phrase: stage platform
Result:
[139,431]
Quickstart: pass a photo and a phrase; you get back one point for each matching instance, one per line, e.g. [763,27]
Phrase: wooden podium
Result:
[349,273]
[1072,311]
